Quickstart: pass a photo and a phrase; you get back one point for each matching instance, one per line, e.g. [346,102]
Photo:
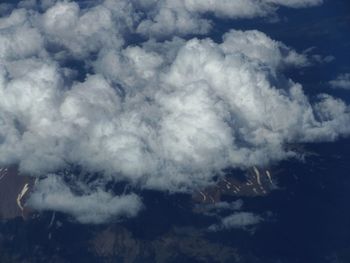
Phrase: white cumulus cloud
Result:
[165,115]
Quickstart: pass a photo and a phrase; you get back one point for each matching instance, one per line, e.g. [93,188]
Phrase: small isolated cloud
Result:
[236,205]
[341,82]
[322,59]
[219,207]
[239,220]
[314,58]
[93,206]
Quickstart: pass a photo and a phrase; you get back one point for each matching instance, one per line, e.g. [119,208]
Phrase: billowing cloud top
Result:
[160,114]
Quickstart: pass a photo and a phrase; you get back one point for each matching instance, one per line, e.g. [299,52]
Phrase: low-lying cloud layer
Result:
[93,207]
[162,114]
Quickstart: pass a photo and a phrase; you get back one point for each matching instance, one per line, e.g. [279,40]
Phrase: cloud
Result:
[187,16]
[317,58]
[165,115]
[236,205]
[237,220]
[221,207]
[80,32]
[5,8]
[341,82]
[258,46]
[93,207]
[18,38]
[295,3]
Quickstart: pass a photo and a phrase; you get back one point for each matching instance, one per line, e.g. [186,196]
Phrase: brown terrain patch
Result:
[12,194]
[257,182]
[117,243]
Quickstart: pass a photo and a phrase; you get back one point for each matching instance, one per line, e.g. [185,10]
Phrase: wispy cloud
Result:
[238,220]
[341,82]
